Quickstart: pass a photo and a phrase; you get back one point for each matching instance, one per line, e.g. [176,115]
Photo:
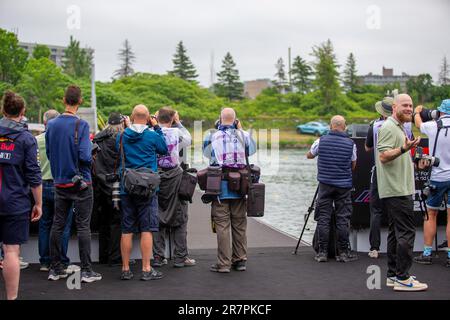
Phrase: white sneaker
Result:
[390,281]
[373,254]
[409,284]
[23,264]
[72,269]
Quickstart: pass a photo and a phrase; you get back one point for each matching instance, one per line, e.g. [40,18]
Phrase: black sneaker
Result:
[321,257]
[422,259]
[239,265]
[151,275]
[56,274]
[126,275]
[443,245]
[346,256]
[90,276]
[158,261]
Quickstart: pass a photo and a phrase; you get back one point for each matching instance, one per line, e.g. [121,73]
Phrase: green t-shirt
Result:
[395,178]
[43,160]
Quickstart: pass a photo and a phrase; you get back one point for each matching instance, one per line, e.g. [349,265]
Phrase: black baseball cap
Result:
[115,118]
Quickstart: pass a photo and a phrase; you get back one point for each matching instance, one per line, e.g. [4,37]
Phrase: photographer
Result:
[69,151]
[139,147]
[337,160]
[226,149]
[173,212]
[439,181]
[105,170]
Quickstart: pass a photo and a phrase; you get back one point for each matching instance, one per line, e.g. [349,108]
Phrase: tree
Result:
[326,75]
[127,57]
[301,75]
[41,51]
[444,75]
[280,76]
[42,86]
[77,62]
[182,65]
[12,57]
[350,78]
[229,85]
[421,86]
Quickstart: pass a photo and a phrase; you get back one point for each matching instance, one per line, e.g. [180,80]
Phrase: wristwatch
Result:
[402,151]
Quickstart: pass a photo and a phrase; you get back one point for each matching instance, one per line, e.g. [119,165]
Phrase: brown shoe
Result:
[217,268]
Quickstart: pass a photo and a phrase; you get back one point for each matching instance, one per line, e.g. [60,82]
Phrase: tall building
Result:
[57,52]
[254,87]
[386,77]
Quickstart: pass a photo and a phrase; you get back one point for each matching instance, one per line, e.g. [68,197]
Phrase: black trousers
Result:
[401,235]
[109,231]
[376,213]
[82,202]
[340,198]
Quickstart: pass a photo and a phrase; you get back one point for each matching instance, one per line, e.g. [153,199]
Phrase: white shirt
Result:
[442,172]
[315,149]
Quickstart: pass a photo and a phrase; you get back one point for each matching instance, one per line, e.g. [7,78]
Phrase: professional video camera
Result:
[419,155]
[428,114]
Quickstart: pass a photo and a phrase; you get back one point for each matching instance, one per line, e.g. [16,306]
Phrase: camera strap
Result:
[241,138]
[77,125]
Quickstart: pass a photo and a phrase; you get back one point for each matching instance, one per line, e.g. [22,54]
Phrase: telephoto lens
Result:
[116,194]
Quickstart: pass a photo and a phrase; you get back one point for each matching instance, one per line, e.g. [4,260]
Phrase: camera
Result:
[428,188]
[78,181]
[111,177]
[419,155]
[115,194]
[428,115]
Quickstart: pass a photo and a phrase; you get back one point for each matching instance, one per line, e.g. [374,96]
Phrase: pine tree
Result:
[229,85]
[77,62]
[280,77]
[326,75]
[444,75]
[182,65]
[127,57]
[350,78]
[301,75]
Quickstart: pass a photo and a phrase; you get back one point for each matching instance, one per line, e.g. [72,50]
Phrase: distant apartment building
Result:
[254,87]
[57,52]
[386,78]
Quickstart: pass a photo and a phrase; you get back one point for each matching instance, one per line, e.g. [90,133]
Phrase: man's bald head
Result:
[338,123]
[227,116]
[140,114]
[49,115]
[402,109]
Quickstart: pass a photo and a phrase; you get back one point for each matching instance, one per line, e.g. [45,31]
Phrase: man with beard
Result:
[395,176]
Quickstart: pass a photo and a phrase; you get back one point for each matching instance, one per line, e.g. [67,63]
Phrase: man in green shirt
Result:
[48,205]
[395,175]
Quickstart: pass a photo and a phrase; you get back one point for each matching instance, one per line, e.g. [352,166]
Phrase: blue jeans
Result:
[45,225]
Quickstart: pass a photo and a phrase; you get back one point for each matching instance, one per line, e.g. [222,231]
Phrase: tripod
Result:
[310,209]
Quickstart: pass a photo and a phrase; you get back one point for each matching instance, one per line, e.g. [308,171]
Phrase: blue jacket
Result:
[19,167]
[335,160]
[62,152]
[141,149]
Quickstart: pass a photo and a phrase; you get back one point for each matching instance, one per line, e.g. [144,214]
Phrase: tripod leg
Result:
[310,209]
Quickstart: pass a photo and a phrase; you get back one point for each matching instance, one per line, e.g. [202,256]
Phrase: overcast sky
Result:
[410,36]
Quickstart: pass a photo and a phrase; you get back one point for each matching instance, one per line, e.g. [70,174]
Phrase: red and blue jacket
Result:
[19,167]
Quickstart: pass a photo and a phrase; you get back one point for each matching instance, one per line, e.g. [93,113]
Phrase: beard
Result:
[404,117]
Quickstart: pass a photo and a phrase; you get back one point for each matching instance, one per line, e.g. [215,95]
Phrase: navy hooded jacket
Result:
[19,167]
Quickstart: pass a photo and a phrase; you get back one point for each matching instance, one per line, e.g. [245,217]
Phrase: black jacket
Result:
[106,159]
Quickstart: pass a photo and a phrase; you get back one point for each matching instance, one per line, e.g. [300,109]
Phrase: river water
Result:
[290,181]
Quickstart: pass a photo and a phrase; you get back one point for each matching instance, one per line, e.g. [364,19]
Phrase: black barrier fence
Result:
[361,195]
